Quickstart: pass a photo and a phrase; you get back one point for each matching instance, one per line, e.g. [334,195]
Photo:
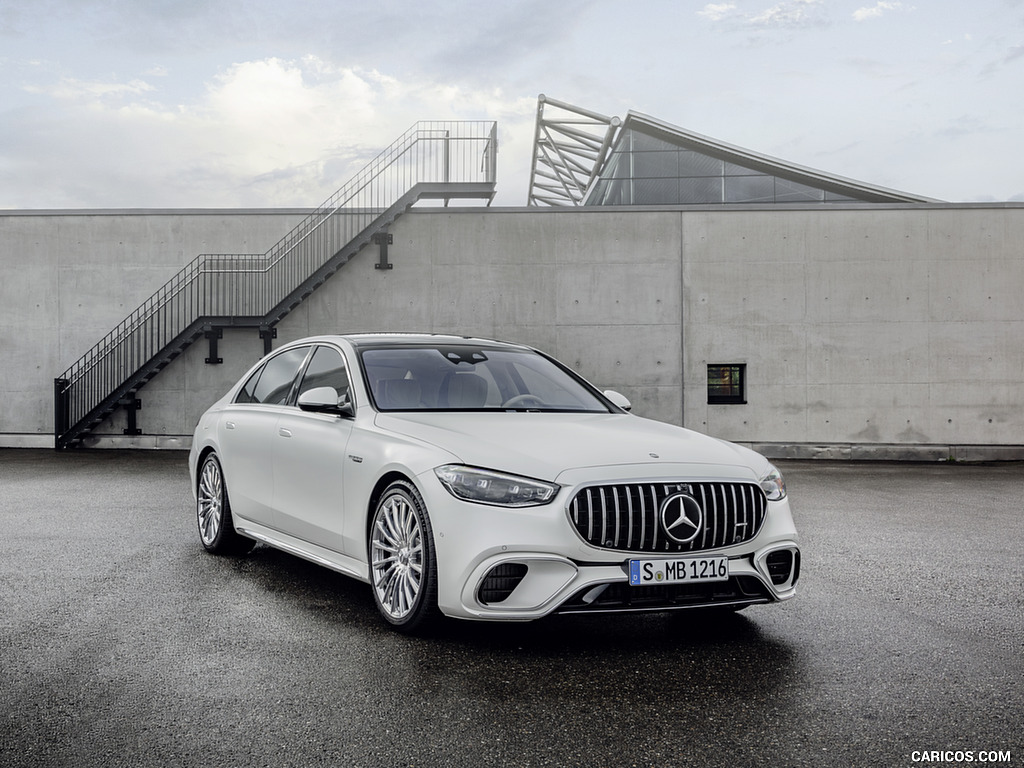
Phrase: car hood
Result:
[546,445]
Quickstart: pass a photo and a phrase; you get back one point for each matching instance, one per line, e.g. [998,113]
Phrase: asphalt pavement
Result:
[122,643]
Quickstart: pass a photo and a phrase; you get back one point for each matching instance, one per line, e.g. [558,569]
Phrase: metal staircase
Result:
[433,160]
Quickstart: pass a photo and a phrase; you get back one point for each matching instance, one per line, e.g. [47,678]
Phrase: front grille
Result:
[628,517]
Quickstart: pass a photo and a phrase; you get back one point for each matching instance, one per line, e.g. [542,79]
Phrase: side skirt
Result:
[336,561]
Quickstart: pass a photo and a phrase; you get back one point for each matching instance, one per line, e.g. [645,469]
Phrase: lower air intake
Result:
[500,581]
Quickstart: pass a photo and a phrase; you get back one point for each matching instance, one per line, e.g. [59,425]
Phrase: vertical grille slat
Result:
[643,522]
[715,542]
[731,526]
[604,517]
[618,520]
[627,517]
[629,508]
[704,505]
[654,525]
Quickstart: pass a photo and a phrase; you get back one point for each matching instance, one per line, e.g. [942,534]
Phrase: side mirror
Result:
[326,400]
[618,399]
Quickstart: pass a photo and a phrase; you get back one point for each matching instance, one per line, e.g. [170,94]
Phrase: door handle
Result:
[284,432]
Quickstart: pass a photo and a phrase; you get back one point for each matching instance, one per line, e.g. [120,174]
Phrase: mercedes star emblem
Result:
[681,517]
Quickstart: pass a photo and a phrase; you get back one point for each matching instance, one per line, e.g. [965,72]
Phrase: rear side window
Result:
[272,383]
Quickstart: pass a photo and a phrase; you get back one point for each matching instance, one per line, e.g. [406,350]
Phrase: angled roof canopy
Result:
[645,161]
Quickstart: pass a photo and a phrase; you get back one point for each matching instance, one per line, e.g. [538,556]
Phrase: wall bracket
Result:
[268,334]
[383,239]
[132,405]
[213,335]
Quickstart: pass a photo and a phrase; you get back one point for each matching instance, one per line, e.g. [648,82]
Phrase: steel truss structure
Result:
[570,147]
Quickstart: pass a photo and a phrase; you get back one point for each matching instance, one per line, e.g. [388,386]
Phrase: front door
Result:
[309,458]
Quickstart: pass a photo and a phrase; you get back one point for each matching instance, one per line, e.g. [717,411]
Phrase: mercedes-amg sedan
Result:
[484,480]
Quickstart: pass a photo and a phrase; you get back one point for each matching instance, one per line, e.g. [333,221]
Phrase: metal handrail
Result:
[251,286]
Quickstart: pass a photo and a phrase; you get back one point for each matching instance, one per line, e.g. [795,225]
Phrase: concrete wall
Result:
[69,277]
[597,291]
[866,331]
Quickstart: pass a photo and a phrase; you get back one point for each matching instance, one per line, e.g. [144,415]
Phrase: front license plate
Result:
[643,573]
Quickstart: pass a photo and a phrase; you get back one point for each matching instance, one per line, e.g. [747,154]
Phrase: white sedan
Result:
[484,480]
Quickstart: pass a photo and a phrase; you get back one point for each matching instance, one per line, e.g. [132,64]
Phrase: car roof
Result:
[378,340]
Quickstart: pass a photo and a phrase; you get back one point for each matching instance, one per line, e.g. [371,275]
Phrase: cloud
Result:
[792,13]
[70,89]
[268,132]
[881,8]
[786,14]
[717,12]
[1014,54]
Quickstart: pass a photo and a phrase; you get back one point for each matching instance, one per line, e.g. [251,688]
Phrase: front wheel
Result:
[403,570]
[213,512]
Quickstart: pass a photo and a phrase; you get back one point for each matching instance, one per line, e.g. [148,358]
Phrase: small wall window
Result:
[727,383]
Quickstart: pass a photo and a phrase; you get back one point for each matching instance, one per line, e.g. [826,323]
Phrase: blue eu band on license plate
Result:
[678,571]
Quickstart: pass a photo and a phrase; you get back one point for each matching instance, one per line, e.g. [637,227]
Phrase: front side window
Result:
[466,378]
[272,383]
[327,369]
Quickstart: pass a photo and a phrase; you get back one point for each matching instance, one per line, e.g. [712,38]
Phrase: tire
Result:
[213,512]
[403,569]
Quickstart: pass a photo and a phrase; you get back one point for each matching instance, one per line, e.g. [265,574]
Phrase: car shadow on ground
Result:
[349,603]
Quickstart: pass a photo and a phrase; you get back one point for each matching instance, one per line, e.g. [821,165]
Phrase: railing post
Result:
[447,157]
[61,411]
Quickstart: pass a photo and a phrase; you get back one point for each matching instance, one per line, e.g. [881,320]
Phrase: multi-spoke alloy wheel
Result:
[402,559]
[213,512]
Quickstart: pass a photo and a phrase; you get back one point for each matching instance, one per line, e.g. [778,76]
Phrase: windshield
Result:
[451,377]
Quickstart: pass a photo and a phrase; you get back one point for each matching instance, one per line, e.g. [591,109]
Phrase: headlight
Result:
[486,487]
[773,485]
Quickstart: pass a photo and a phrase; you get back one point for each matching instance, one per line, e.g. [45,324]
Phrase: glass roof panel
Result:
[700,190]
[619,166]
[656,191]
[636,141]
[698,164]
[731,169]
[750,189]
[655,164]
[835,197]
[794,192]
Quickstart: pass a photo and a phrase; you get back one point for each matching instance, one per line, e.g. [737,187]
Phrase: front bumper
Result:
[500,564]
[540,584]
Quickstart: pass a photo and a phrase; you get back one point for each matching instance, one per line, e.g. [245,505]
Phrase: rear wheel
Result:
[213,512]
[403,571]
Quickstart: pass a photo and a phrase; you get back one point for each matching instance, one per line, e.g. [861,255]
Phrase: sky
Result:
[261,104]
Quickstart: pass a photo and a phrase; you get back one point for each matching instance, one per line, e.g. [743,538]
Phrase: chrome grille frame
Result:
[625,517]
